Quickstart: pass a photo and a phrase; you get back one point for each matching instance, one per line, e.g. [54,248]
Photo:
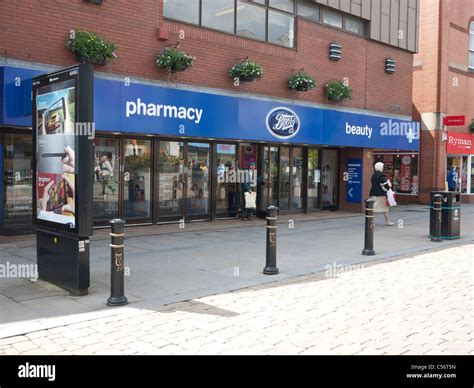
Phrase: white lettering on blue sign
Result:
[358,130]
[409,129]
[159,110]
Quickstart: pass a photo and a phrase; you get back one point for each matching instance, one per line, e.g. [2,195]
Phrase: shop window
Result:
[471,167]
[17,175]
[402,170]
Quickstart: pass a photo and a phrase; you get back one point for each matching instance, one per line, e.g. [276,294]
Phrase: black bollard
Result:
[117,297]
[270,265]
[369,228]
[438,198]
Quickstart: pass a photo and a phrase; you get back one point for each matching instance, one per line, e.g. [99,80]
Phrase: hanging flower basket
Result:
[301,81]
[336,91]
[90,48]
[246,71]
[173,60]
[471,126]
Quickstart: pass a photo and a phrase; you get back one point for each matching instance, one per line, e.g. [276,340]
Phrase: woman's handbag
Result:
[391,201]
[250,200]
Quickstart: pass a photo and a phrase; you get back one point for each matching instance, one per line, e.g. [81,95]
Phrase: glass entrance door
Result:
[137,180]
[17,180]
[314,177]
[197,190]
[171,180]
[105,189]
[225,184]
[267,194]
[329,179]
[297,178]
[183,181]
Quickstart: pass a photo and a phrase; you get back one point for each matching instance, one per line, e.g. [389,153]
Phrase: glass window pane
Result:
[308,10]
[185,10]
[354,25]
[297,183]
[281,28]
[106,176]
[471,59]
[137,177]
[226,188]
[314,175]
[218,14]
[472,174]
[284,178]
[250,20]
[18,179]
[471,42]
[284,5]
[332,18]
[471,27]
[197,201]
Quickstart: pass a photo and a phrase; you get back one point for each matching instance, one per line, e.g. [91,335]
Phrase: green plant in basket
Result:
[337,91]
[90,47]
[301,81]
[173,59]
[246,71]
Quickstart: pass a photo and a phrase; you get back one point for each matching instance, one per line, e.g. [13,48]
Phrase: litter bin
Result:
[450,214]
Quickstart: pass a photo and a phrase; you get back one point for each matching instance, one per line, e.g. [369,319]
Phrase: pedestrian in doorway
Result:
[106,173]
[378,192]
[452,179]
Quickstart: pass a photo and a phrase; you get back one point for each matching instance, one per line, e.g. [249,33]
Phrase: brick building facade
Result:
[33,37]
[443,85]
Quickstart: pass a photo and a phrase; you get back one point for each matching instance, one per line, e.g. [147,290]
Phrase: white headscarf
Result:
[378,166]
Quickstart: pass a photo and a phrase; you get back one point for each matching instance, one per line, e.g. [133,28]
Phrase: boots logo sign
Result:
[283,123]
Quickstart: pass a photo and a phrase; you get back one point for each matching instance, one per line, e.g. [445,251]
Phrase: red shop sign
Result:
[454,120]
[460,143]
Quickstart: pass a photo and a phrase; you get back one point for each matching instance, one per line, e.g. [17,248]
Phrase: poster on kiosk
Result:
[63,132]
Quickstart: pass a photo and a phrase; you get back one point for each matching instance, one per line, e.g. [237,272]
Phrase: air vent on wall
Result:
[335,52]
[390,66]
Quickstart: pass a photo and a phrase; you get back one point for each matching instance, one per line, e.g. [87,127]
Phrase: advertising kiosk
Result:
[63,175]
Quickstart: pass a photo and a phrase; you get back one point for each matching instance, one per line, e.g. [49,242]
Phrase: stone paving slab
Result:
[421,304]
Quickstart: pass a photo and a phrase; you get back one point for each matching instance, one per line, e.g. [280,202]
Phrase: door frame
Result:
[213,176]
[121,181]
[183,216]
[318,185]
[334,207]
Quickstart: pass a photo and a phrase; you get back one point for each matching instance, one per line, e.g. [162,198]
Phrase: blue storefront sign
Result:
[152,109]
[354,181]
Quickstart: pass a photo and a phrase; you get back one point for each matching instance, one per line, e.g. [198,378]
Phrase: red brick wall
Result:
[37,31]
[441,82]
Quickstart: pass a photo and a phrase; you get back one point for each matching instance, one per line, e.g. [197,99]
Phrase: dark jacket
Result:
[379,178]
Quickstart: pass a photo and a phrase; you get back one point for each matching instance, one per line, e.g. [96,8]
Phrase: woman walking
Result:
[378,192]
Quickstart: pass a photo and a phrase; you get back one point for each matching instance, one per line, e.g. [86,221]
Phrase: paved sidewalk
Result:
[209,258]
[422,304]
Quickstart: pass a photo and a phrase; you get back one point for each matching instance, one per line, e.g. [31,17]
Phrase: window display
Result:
[402,170]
